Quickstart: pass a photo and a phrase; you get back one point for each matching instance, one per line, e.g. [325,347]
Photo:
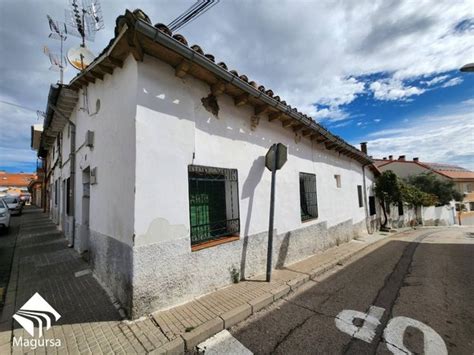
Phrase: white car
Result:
[4,215]
[14,204]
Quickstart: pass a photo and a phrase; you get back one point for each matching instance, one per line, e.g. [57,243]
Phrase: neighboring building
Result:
[463,179]
[37,186]
[155,161]
[15,184]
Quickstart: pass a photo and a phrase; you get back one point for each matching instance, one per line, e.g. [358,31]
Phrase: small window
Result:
[471,206]
[308,197]
[338,180]
[213,203]
[372,205]
[359,194]
[400,208]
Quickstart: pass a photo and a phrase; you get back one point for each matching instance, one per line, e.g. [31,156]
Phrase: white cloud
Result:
[377,120]
[444,137]
[392,89]
[436,80]
[452,82]
[307,51]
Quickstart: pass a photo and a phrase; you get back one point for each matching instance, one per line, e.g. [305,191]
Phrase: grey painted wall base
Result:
[111,262]
[167,274]
[152,277]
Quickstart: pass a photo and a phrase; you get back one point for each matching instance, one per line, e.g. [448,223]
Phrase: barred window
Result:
[359,194]
[213,203]
[308,197]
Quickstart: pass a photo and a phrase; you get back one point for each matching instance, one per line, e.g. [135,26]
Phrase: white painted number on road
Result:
[393,333]
[345,323]
[395,329]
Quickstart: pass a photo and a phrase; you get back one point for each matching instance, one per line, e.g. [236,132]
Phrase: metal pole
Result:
[272,210]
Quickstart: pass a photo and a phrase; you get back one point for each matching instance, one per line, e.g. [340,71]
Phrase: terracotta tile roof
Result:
[17,180]
[450,171]
[135,28]
[457,175]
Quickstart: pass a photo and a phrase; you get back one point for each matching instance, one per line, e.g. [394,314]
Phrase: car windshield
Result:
[2,204]
[10,200]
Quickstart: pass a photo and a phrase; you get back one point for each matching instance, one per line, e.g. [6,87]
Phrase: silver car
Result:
[14,204]
[4,215]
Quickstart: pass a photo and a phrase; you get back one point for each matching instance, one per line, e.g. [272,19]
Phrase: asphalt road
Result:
[414,293]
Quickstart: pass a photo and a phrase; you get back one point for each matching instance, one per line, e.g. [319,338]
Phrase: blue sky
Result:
[382,71]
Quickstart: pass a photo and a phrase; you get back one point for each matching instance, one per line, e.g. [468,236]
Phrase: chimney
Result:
[390,157]
[384,158]
[416,159]
[363,147]
[401,158]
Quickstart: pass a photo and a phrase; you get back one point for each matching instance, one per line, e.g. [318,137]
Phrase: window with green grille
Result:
[308,197]
[213,203]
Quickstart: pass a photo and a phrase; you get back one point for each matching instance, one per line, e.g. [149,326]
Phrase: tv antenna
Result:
[59,32]
[84,19]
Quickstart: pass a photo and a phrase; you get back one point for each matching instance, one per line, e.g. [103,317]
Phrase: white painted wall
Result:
[172,124]
[173,130]
[442,215]
[111,199]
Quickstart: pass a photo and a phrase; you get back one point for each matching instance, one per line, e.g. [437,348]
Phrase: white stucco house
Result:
[166,186]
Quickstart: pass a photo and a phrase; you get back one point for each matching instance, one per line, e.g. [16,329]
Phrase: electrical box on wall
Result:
[93,180]
[90,139]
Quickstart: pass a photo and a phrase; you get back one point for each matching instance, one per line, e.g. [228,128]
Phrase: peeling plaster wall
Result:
[173,130]
[108,237]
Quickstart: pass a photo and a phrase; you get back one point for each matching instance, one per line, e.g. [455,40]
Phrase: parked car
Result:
[4,215]
[14,204]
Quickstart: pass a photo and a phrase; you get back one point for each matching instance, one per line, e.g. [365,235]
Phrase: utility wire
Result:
[201,13]
[196,10]
[19,106]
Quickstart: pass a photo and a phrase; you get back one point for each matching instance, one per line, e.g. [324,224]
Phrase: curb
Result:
[188,341]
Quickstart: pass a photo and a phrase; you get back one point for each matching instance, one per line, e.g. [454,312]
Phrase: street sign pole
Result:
[272,210]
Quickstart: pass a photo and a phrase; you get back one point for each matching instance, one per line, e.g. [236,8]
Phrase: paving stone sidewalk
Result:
[91,323]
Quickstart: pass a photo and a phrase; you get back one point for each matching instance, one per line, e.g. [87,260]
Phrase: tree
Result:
[444,190]
[388,191]
[415,197]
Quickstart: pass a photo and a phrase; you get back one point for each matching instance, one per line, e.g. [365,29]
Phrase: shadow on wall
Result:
[182,99]
[248,191]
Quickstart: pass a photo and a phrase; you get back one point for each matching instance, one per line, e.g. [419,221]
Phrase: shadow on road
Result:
[432,283]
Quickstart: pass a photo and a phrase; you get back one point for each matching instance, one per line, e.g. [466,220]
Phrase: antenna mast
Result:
[59,32]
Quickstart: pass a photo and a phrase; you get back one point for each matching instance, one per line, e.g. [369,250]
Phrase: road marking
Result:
[223,343]
[366,332]
[395,330]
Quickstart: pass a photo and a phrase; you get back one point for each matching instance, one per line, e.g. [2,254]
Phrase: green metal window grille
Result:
[213,203]
[308,197]
[359,194]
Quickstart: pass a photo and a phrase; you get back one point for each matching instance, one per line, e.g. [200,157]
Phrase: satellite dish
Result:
[80,57]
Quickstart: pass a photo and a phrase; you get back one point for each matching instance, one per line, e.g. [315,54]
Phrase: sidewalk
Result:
[91,323]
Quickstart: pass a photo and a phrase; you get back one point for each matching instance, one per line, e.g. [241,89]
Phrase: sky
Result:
[385,72]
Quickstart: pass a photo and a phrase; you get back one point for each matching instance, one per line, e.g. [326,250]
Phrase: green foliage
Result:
[388,187]
[429,183]
[415,197]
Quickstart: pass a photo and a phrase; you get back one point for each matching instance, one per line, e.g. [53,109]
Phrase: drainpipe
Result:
[72,172]
[367,222]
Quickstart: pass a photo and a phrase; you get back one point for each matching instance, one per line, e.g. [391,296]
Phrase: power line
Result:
[197,9]
[19,106]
